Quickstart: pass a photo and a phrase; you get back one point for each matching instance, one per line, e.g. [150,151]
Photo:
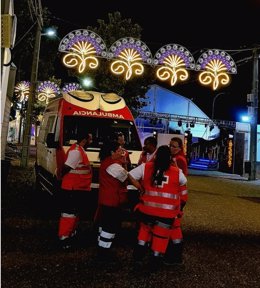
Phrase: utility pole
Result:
[254,116]
[28,119]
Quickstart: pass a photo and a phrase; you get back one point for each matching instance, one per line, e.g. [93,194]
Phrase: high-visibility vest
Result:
[79,178]
[162,200]
[180,161]
[112,192]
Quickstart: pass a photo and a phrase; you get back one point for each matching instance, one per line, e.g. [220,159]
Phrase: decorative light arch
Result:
[22,90]
[81,48]
[174,60]
[217,64]
[71,87]
[47,90]
[129,54]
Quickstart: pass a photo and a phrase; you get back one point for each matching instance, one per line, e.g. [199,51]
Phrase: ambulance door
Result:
[45,155]
[52,151]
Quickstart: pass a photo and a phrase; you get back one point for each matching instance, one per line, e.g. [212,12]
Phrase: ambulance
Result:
[78,112]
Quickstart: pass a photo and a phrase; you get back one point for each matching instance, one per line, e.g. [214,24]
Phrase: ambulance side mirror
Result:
[50,141]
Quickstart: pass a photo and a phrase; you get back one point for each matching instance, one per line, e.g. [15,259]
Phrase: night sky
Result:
[196,25]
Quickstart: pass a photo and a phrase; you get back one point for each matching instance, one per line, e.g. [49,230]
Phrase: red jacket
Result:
[81,177]
[180,161]
[112,192]
[164,200]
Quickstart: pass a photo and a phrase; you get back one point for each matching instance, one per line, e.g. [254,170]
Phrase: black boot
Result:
[68,244]
[154,263]
[173,255]
[138,256]
[139,252]
[106,255]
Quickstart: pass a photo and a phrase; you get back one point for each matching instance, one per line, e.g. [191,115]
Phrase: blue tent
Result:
[185,115]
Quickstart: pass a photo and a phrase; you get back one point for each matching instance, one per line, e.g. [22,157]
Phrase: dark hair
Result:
[82,136]
[107,148]
[178,140]
[118,134]
[151,140]
[162,163]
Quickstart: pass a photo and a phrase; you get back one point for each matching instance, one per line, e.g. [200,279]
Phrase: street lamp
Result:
[34,76]
[87,82]
[246,118]
[213,103]
[51,32]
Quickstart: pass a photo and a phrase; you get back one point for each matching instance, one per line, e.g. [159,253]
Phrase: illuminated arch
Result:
[128,55]
[81,48]
[71,87]
[47,90]
[215,66]
[22,90]
[173,61]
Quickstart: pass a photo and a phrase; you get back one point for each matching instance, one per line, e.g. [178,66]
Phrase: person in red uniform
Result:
[120,138]
[159,204]
[148,154]
[174,250]
[112,195]
[76,182]
[149,150]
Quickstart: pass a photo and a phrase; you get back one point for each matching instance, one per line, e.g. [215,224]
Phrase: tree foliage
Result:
[134,89]
[112,30]
[22,53]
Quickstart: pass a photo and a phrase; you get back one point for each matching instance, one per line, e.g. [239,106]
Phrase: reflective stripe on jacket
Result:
[162,200]
[184,193]
[180,161]
[79,178]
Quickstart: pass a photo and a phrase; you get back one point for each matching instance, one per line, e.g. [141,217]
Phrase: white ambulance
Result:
[78,112]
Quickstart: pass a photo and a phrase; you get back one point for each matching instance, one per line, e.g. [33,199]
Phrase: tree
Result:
[133,90]
[23,48]
[23,51]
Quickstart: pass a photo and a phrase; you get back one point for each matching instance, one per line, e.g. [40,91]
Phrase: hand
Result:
[141,189]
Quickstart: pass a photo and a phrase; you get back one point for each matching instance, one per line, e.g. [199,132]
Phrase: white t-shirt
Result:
[74,158]
[150,156]
[117,171]
[138,173]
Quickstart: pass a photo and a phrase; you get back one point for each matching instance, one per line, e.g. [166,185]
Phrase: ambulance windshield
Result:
[101,130]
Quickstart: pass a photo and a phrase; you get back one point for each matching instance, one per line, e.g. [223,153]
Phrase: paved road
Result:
[221,231]
[219,174]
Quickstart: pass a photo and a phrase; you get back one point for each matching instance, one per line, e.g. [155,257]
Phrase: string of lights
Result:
[81,49]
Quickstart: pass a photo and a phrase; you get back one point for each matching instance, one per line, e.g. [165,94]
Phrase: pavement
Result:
[13,151]
[219,174]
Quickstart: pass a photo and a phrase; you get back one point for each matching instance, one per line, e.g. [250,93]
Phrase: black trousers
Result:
[109,218]
[77,202]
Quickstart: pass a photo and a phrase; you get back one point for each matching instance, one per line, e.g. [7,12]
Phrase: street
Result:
[221,230]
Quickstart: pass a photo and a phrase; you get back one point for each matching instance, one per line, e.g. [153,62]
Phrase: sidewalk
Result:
[218,174]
